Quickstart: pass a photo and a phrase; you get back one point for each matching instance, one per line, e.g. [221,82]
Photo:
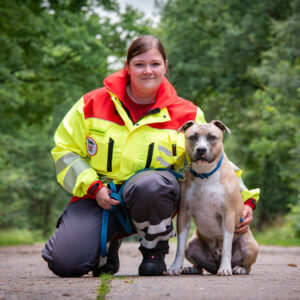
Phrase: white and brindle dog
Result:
[211,195]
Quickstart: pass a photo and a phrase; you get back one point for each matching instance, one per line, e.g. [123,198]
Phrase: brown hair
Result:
[143,44]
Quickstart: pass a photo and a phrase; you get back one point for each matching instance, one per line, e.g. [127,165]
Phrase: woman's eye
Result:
[156,64]
[139,65]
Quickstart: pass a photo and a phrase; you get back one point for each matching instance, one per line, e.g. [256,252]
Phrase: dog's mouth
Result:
[203,159]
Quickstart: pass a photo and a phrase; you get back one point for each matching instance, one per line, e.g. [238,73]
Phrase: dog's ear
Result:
[186,125]
[220,125]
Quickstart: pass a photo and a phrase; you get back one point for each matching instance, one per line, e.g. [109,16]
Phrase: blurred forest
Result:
[238,60]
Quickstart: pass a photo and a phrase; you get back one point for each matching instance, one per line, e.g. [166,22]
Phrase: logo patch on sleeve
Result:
[91,146]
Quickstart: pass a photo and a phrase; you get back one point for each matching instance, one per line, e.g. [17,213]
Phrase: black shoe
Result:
[152,265]
[113,264]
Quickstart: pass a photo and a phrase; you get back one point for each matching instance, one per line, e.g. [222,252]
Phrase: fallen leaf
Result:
[127,281]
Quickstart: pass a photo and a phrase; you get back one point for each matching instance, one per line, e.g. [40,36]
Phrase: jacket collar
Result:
[117,82]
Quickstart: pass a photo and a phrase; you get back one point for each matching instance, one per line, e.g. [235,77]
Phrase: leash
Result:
[125,222]
[206,175]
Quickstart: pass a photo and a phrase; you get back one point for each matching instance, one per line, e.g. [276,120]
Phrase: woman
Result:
[110,134]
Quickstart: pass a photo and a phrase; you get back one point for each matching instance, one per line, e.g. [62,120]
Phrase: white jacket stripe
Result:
[74,171]
[65,161]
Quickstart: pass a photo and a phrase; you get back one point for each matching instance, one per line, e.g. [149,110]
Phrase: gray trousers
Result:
[151,198]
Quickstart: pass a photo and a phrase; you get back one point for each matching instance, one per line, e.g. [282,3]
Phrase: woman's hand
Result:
[103,199]
[247,217]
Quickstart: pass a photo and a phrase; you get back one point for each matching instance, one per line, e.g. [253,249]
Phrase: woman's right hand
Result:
[103,199]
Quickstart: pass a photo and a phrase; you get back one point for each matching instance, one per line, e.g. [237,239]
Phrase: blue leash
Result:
[125,222]
[117,210]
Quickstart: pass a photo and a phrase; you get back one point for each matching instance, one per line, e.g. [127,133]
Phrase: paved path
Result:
[24,275]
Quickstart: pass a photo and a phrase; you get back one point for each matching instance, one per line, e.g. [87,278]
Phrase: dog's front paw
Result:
[175,269]
[224,271]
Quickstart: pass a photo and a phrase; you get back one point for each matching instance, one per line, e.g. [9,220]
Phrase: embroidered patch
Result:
[91,146]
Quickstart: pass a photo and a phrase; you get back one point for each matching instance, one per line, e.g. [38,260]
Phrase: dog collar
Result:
[206,175]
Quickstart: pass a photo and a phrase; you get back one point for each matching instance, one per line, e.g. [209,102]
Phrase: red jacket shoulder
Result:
[98,104]
[180,112]
[181,103]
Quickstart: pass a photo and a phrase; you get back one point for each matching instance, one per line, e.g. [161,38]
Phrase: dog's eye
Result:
[193,137]
[211,137]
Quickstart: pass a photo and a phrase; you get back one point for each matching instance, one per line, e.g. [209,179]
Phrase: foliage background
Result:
[238,60]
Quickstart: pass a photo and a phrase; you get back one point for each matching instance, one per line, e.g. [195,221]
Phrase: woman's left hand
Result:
[247,217]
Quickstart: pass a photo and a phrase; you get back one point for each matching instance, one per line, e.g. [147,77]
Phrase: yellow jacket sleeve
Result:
[70,153]
[246,194]
[200,116]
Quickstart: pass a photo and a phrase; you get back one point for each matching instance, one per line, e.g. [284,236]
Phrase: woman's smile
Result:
[146,71]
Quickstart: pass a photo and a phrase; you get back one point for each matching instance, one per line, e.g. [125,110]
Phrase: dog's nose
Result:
[201,151]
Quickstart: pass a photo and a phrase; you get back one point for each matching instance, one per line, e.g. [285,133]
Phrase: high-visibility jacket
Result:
[97,142]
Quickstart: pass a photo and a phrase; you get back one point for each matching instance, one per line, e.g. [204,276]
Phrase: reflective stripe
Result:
[152,244]
[164,150]
[235,168]
[242,185]
[105,179]
[65,161]
[241,182]
[164,163]
[75,170]
[153,229]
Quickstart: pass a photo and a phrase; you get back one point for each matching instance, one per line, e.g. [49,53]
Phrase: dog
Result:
[210,194]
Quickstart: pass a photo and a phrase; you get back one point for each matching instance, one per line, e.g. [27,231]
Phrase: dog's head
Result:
[204,142]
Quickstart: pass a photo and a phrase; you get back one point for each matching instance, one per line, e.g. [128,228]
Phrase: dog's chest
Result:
[204,202]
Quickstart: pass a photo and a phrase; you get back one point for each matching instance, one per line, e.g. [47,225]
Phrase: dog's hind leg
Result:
[191,271]
[199,254]
[245,251]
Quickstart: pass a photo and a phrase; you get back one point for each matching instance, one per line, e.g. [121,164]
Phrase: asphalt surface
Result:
[24,275]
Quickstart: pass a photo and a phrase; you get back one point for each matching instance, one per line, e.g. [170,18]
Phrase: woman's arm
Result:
[73,170]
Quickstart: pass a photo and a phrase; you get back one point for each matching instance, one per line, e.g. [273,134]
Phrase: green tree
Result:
[274,146]
[236,60]
[52,52]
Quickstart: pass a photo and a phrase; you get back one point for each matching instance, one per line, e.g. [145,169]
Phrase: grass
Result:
[271,238]
[285,230]
[12,237]
[279,235]
[105,285]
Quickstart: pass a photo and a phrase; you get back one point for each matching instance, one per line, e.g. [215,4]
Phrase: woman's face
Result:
[146,72]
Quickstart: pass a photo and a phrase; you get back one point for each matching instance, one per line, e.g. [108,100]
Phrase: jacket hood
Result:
[117,82]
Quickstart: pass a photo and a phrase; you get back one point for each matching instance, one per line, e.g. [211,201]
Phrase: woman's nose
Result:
[147,69]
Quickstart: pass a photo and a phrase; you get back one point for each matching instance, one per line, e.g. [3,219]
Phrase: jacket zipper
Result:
[149,156]
[110,154]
